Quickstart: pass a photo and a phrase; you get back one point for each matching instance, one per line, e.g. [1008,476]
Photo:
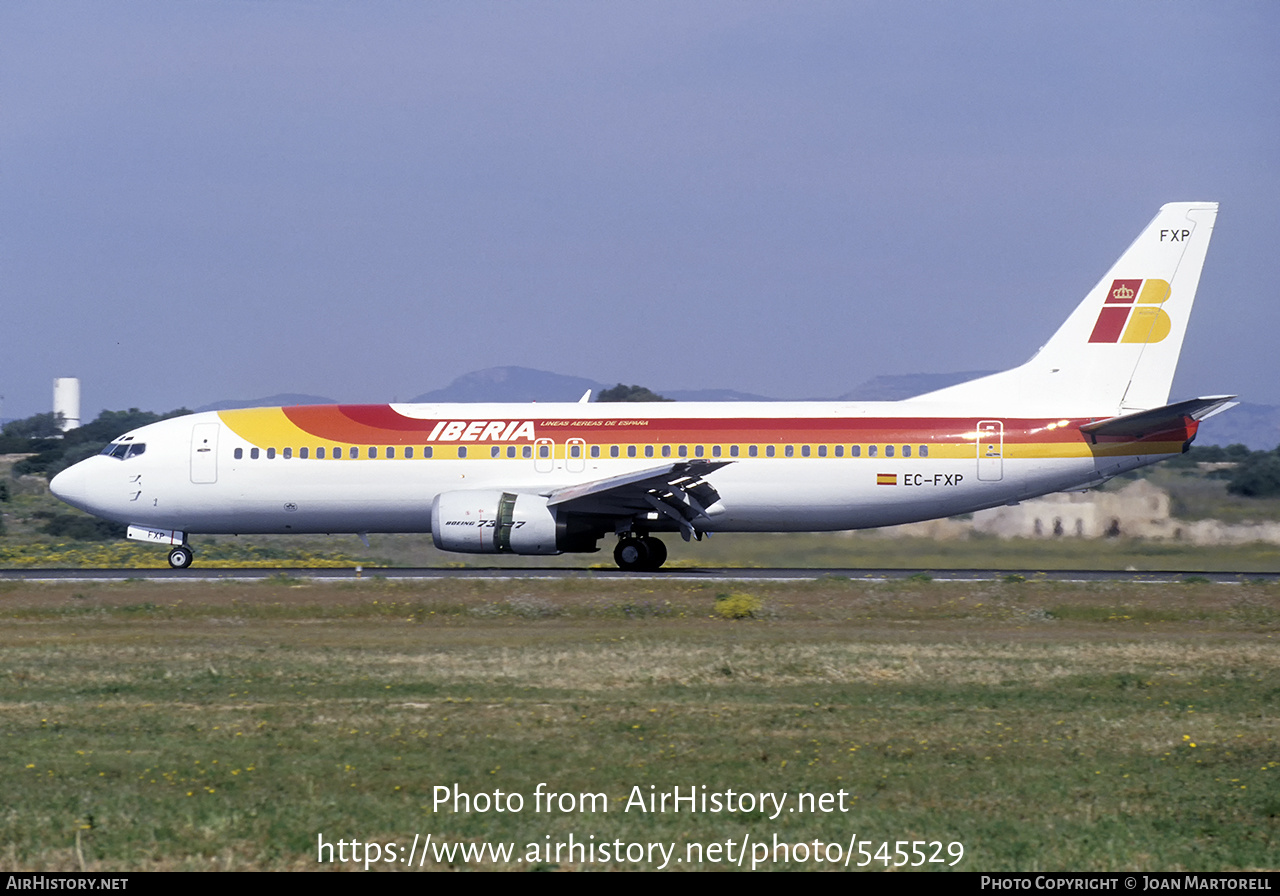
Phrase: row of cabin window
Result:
[754,451]
[353,453]
[576,449]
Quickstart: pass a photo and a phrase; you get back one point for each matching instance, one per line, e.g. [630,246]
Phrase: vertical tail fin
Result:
[1118,350]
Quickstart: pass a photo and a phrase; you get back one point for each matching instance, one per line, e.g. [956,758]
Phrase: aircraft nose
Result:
[71,485]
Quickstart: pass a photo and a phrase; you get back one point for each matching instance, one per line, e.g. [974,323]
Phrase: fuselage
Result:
[785,466]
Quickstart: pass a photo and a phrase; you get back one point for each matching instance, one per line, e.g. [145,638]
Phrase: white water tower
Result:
[66,401]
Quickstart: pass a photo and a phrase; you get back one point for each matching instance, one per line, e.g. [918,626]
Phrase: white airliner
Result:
[553,478]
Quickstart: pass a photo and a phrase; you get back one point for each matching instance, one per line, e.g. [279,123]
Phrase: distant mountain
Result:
[284,399]
[526,384]
[711,395]
[522,384]
[511,384]
[907,385]
[1254,425]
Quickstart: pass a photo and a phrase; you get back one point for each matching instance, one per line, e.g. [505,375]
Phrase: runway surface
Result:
[674,573]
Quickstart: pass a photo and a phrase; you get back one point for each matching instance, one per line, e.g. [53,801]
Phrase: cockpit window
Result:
[124,450]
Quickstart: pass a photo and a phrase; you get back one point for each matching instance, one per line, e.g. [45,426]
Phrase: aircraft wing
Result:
[1171,416]
[677,491]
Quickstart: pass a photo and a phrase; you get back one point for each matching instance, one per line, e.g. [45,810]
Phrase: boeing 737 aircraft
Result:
[553,478]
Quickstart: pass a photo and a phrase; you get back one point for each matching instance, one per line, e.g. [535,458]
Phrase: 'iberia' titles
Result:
[482,431]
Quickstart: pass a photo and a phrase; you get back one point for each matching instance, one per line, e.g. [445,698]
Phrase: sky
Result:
[203,201]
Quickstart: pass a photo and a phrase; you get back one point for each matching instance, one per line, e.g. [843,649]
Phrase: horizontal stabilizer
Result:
[1171,416]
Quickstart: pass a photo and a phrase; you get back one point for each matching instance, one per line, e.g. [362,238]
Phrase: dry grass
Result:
[191,725]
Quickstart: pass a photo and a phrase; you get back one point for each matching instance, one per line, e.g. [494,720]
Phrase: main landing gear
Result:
[181,556]
[639,553]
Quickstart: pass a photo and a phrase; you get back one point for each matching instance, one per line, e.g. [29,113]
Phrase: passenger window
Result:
[871,451]
[789,451]
[839,451]
[391,452]
[544,451]
[253,454]
[631,451]
[648,451]
[271,454]
[575,450]
[595,450]
[428,451]
[697,452]
[511,451]
[855,451]
[752,451]
[822,451]
[684,451]
[526,451]
[906,450]
[733,450]
[495,451]
[924,450]
[239,453]
[462,452]
[373,452]
[888,451]
[408,452]
[666,451]
[287,453]
[337,453]
[768,452]
[320,453]
[613,450]
[302,453]
[715,450]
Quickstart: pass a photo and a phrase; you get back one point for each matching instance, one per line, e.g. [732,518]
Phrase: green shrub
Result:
[1256,477]
[80,527]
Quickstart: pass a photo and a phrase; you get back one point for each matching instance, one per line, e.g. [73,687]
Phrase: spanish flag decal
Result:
[886,479]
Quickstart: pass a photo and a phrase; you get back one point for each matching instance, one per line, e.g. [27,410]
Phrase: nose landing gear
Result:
[639,553]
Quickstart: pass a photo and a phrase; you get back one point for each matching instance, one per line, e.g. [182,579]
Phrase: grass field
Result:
[184,725]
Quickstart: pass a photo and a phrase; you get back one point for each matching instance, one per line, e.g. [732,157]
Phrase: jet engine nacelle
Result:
[490,522]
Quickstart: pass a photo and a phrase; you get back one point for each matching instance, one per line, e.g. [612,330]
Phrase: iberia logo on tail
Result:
[1123,319]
